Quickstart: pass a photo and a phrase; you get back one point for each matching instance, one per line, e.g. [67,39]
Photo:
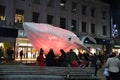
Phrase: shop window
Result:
[19,16]
[2,13]
[49,19]
[62,23]
[83,26]
[35,17]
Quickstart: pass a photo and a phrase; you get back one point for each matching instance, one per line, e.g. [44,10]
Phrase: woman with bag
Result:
[113,65]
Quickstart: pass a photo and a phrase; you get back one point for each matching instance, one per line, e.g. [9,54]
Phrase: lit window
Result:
[2,13]
[19,17]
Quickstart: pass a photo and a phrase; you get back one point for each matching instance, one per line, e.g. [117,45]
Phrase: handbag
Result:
[106,72]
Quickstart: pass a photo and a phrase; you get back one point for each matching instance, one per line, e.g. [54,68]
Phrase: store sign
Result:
[21,33]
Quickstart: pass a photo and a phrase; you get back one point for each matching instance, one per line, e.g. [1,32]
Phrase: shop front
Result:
[7,40]
[22,43]
[29,53]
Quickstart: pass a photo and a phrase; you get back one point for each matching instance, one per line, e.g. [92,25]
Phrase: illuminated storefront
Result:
[22,43]
[116,49]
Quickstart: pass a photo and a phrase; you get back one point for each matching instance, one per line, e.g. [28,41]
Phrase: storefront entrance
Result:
[29,53]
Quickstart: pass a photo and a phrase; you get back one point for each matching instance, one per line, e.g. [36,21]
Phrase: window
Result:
[83,26]
[93,28]
[73,27]
[19,16]
[62,23]
[62,4]
[2,13]
[93,12]
[36,1]
[74,7]
[104,15]
[35,17]
[50,3]
[104,30]
[84,10]
[50,19]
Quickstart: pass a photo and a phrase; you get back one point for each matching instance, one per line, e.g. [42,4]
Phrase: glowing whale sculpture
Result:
[47,36]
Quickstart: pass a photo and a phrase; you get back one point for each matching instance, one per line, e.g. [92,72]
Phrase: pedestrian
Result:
[63,59]
[50,58]
[40,58]
[113,66]
[9,52]
[21,55]
[73,58]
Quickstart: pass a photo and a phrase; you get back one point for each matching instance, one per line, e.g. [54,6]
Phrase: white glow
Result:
[2,45]
[24,44]
[92,50]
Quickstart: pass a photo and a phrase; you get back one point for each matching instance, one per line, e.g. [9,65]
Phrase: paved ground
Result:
[99,74]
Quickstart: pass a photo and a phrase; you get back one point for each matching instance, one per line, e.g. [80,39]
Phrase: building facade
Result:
[83,17]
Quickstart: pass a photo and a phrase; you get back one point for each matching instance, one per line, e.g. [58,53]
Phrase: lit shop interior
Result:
[29,53]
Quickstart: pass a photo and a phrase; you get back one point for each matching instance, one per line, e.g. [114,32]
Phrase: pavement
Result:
[99,73]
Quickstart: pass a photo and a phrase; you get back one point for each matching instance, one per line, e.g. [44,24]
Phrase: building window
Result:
[62,23]
[62,4]
[93,28]
[36,1]
[93,12]
[104,30]
[73,27]
[49,19]
[19,16]
[2,13]
[104,16]
[50,3]
[84,8]
[74,7]
[83,26]
[35,17]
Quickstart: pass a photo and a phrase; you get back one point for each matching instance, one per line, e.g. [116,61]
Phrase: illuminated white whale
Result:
[47,36]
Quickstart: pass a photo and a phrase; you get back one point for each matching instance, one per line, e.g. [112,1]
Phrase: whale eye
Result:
[69,38]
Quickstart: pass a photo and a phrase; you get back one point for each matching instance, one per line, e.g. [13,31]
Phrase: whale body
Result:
[47,36]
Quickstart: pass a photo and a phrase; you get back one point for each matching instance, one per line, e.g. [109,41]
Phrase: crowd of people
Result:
[70,59]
